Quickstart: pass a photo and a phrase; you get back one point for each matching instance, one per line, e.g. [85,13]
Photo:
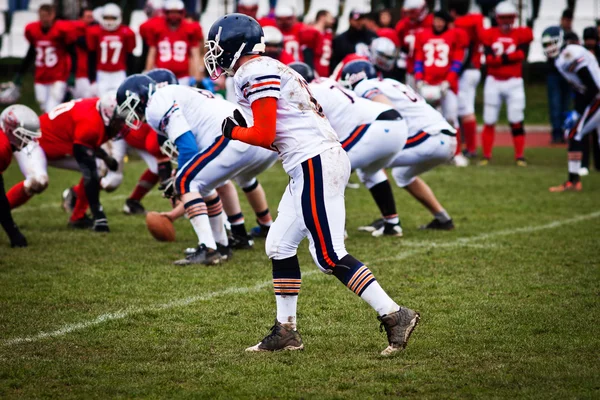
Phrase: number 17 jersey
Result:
[302,131]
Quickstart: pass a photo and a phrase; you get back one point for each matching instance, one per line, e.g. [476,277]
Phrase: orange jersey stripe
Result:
[415,138]
[352,136]
[257,85]
[198,161]
[313,203]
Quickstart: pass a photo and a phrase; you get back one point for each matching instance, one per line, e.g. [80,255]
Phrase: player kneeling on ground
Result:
[288,119]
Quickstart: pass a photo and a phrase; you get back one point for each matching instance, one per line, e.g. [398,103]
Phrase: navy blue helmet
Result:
[163,77]
[304,70]
[552,41]
[229,38]
[132,99]
[356,71]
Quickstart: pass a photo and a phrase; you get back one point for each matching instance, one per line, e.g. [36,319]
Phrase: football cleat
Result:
[469,155]
[398,327]
[440,226]
[82,223]
[521,162]
[239,242]
[567,187]
[225,252]
[202,255]
[460,161]
[260,231]
[583,171]
[484,162]
[101,225]
[69,198]
[375,225]
[280,338]
[133,207]
[388,230]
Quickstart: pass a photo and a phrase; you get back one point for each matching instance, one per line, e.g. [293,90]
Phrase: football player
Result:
[505,48]
[431,140]
[154,11]
[580,68]
[288,119]
[472,25]
[274,45]
[110,45]
[190,119]
[84,88]
[72,134]
[416,18]
[315,42]
[19,126]
[285,18]
[51,44]
[175,44]
[371,133]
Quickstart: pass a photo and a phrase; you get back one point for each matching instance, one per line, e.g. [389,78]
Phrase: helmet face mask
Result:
[169,150]
[129,111]
[552,41]
[383,54]
[21,125]
[132,98]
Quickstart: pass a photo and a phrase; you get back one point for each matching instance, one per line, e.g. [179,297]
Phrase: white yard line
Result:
[121,314]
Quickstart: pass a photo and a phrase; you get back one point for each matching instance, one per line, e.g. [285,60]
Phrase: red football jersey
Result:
[291,40]
[439,57]
[173,47]
[147,27]
[75,122]
[111,47]
[266,21]
[5,152]
[472,25]
[407,32]
[145,139]
[320,43]
[79,29]
[504,57]
[52,62]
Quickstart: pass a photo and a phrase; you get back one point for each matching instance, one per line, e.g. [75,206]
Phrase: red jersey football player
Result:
[154,12]
[51,45]
[472,25]
[19,126]
[285,18]
[274,45]
[83,87]
[416,17]
[72,134]
[250,8]
[505,48]
[315,43]
[110,45]
[175,44]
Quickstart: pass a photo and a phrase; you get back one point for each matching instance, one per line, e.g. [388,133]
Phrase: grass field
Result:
[509,300]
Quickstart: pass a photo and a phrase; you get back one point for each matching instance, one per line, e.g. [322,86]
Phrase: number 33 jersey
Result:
[419,115]
[302,131]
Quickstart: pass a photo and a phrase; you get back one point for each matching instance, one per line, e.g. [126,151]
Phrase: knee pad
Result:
[111,181]
[517,128]
[36,184]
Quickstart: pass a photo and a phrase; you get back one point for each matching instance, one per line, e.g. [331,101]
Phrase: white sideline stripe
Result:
[430,244]
[251,289]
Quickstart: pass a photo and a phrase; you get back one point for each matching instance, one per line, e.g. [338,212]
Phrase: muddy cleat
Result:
[568,186]
[202,255]
[521,162]
[69,198]
[260,231]
[484,162]
[82,223]
[460,161]
[398,327]
[440,226]
[375,225]
[225,252]
[388,230]
[133,207]
[280,338]
[238,242]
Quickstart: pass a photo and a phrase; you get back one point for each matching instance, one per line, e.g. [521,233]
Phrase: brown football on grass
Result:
[160,227]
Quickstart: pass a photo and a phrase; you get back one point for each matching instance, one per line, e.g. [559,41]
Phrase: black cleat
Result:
[83,223]
[280,338]
[133,207]
[388,230]
[374,226]
[202,255]
[260,231]
[225,252]
[440,226]
[238,242]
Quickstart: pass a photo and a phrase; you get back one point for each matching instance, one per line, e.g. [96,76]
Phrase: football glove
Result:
[111,163]
[168,188]
[231,122]
[571,119]
[9,93]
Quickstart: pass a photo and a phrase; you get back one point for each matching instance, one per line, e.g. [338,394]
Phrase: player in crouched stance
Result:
[288,119]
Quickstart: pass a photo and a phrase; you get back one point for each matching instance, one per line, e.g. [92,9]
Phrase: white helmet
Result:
[383,53]
[21,125]
[174,5]
[505,8]
[415,9]
[107,105]
[284,11]
[111,17]
[152,7]
[273,36]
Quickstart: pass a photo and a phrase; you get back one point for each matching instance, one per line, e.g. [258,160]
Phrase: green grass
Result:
[506,314]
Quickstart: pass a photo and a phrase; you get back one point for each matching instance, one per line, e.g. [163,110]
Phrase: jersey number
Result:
[177,52]
[45,57]
[499,48]
[410,42]
[326,56]
[293,47]
[113,45]
[436,54]
[62,108]
[314,103]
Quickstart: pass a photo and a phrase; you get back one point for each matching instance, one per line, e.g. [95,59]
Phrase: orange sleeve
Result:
[264,112]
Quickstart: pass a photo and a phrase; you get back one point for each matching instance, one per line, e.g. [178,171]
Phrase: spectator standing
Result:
[355,40]
[566,21]
[316,42]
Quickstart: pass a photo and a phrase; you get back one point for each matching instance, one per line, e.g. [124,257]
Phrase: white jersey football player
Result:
[371,133]
[431,139]
[191,119]
[580,68]
[287,118]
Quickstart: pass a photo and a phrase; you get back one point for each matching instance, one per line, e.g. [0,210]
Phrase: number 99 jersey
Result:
[302,131]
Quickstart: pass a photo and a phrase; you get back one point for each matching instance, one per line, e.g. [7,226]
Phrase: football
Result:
[160,227]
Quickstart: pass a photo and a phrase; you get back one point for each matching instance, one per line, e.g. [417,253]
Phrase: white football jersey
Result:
[419,115]
[343,108]
[302,130]
[173,110]
[571,59]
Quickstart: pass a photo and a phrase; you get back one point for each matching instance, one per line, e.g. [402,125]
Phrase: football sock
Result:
[487,140]
[264,218]
[17,195]
[81,204]
[574,164]
[214,208]
[384,198]
[442,216]
[197,214]
[458,142]
[286,284]
[377,298]
[518,135]
[238,227]
[469,129]
[144,185]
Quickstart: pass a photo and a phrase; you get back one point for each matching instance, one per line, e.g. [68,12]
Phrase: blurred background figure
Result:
[316,43]
[274,45]
[355,40]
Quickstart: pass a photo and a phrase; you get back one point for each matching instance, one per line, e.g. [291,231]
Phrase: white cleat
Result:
[460,161]
[583,171]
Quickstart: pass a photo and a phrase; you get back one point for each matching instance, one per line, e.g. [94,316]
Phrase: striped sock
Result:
[196,212]
[264,218]
[215,216]
[286,284]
